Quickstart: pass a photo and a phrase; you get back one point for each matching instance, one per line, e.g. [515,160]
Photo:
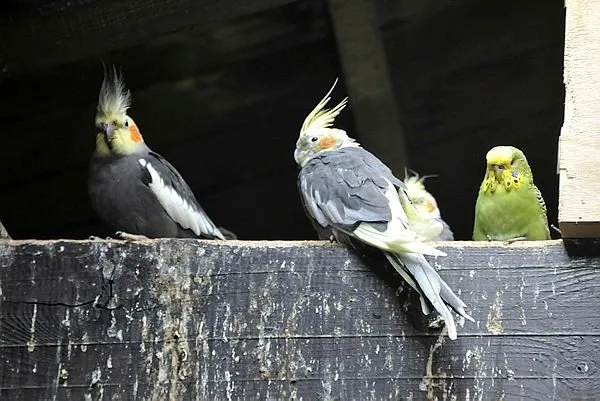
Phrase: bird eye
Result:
[314,139]
[126,123]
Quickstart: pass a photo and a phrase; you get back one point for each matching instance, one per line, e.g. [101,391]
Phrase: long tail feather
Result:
[428,283]
[399,267]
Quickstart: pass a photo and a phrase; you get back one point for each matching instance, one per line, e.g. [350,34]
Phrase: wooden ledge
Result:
[187,319]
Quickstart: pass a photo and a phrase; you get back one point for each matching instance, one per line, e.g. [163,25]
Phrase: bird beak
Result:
[498,170]
[108,130]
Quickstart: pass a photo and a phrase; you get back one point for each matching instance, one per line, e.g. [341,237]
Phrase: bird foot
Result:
[510,241]
[127,237]
[332,239]
[436,322]
[552,226]
[96,238]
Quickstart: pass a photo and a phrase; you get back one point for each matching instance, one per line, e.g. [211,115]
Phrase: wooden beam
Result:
[188,319]
[367,78]
[31,41]
[579,208]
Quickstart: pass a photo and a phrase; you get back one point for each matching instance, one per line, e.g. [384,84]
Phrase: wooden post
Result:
[367,78]
[207,320]
[579,199]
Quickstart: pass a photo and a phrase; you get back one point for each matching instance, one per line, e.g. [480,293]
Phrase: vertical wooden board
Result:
[186,319]
[366,75]
[579,209]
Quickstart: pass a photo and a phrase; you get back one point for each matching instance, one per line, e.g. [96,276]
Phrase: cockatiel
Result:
[132,188]
[509,206]
[426,204]
[349,191]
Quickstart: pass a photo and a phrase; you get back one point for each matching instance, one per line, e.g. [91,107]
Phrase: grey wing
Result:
[341,189]
[324,233]
[176,197]
[375,165]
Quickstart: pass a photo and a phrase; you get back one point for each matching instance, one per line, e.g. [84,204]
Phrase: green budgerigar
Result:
[509,206]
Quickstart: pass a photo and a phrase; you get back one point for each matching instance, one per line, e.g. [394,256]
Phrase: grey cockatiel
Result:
[349,191]
[132,188]
[426,204]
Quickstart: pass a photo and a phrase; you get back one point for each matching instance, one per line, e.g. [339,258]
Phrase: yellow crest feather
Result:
[320,117]
[114,97]
[415,181]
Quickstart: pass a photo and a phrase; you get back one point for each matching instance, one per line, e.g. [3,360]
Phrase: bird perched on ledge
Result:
[348,190]
[509,206]
[132,188]
[426,204]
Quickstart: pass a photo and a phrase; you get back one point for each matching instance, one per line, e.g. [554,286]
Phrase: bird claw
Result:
[332,239]
[510,241]
[127,237]
[436,322]
[552,226]
[95,238]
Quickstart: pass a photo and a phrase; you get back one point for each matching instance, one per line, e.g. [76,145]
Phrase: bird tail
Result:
[229,235]
[432,290]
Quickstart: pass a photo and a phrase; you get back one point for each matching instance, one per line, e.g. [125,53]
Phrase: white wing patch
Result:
[178,208]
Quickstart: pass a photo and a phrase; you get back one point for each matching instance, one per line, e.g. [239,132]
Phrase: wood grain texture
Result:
[579,209]
[31,41]
[201,320]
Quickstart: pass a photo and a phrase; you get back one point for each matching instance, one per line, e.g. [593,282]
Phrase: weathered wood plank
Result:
[31,42]
[579,210]
[366,75]
[177,319]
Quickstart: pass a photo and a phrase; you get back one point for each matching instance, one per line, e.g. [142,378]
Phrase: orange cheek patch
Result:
[430,206]
[134,134]
[326,142]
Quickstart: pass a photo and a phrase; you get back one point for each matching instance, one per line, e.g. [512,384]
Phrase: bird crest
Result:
[415,180]
[114,97]
[320,117]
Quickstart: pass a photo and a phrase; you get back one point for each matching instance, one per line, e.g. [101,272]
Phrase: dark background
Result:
[221,90]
